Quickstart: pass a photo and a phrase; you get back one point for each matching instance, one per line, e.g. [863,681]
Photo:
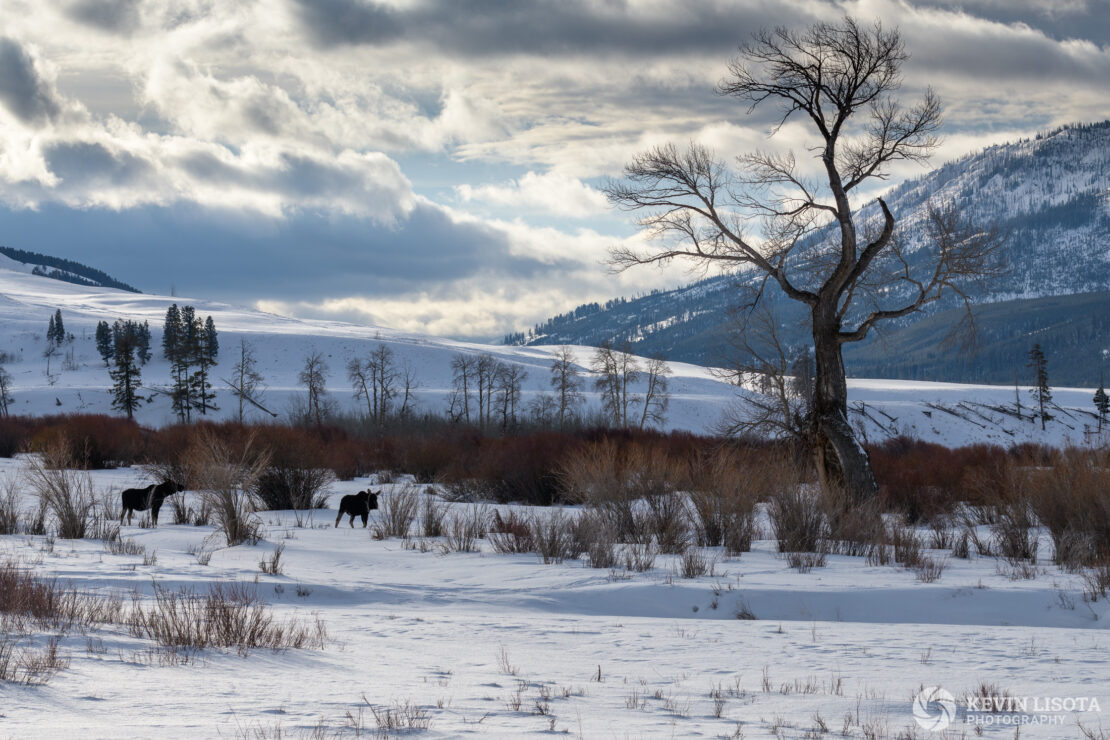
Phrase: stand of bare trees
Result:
[798,232]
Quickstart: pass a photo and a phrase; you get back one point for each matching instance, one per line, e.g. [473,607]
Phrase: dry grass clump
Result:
[464,527]
[613,478]
[723,490]
[27,666]
[511,533]
[230,615]
[10,514]
[555,537]
[798,519]
[1070,499]
[225,478]
[397,511]
[62,489]
[27,601]
[432,516]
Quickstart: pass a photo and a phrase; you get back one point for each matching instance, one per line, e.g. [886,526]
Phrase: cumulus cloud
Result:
[24,90]
[551,193]
[118,16]
[352,157]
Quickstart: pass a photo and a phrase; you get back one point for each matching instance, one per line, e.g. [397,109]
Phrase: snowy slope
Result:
[504,646]
[931,411]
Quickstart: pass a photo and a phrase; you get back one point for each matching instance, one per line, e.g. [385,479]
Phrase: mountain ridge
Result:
[1051,193]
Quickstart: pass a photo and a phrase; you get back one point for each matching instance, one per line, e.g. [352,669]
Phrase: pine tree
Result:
[51,332]
[1041,392]
[212,342]
[202,356]
[59,328]
[126,378]
[1102,404]
[105,344]
[143,341]
[173,347]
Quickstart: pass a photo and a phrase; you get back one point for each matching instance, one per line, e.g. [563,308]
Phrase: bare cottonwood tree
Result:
[761,360]
[314,377]
[657,395]
[246,383]
[567,386]
[799,233]
[5,390]
[463,379]
[616,372]
[510,378]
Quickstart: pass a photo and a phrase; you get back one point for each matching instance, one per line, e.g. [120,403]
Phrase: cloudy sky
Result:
[431,165]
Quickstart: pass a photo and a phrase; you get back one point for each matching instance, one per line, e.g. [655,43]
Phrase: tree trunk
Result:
[841,462]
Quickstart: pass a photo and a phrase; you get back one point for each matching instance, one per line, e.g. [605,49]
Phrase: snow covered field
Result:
[483,644]
[947,413]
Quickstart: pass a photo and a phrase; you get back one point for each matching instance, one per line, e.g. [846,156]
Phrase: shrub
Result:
[432,516]
[225,479]
[612,478]
[798,520]
[921,480]
[1070,499]
[228,616]
[397,511]
[723,491]
[639,557]
[296,474]
[1015,532]
[511,534]
[464,528]
[695,563]
[9,506]
[95,441]
[553,536]
[63,491]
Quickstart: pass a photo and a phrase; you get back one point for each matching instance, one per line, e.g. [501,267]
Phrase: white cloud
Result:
[552,193]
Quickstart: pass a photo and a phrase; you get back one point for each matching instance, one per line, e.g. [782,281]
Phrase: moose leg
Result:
[365,518]
[338,517]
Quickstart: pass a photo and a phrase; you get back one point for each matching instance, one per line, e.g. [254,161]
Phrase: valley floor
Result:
[482,644]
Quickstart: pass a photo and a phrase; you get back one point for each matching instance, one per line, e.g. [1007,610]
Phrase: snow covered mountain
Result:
[78,381]
[1051,194]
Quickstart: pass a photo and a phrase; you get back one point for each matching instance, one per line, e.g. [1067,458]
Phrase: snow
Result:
[505,646]
[946,413]
[461,634]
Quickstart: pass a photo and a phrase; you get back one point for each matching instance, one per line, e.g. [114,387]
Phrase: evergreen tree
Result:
[1102,403]
[1041,392]
[212,340]
[105,344]
[172,333]
[59,328]
[126,378]
[202,356]
[51,333]
[143,341]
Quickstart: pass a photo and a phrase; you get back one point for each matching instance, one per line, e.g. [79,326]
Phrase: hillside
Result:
[1050,194]
[78,382]
[62,269]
